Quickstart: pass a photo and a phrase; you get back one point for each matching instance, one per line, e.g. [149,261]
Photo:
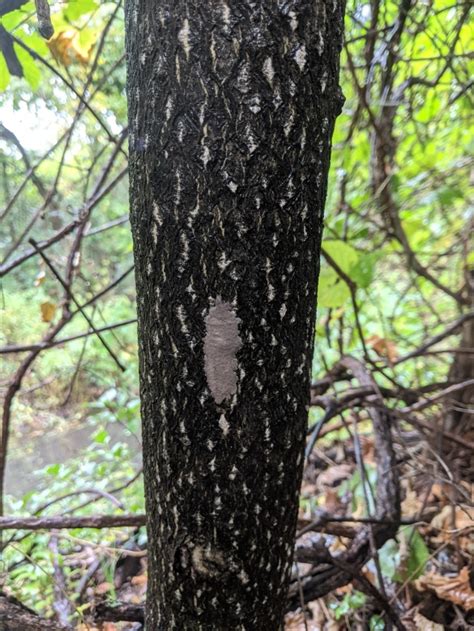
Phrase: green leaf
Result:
[101,436]
[26,498]
[36,43]
[470,259]
[31,71]
[4,74]
[448,194]
[377,623]
[76,8]
[342,254]
[415,231]
[14,18]
[389,557]
[418,555]
[88,37]
[333,292]
[53,469]
[363,272]
[350,602]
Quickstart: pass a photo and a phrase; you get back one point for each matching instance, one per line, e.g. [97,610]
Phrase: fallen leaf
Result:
[139,580]
[450,522]
[332,502]
[447,519]
[456,589]
[442,492]
[368,449]
[308,489]
[103,588]
[335,474]
[315,621]
[423,624]
[48,309]
[411,504]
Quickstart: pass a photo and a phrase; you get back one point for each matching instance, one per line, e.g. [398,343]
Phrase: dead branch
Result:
[327,575]
[123,612]
[59,522]
[16,617]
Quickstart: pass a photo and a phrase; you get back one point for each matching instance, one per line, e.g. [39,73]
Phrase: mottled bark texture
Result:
[231,106]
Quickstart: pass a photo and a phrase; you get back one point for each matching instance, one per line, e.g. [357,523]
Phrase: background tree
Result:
[231,110]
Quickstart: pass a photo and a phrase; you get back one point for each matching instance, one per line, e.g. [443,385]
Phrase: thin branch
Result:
[68,291]
[70,522]
[41,346]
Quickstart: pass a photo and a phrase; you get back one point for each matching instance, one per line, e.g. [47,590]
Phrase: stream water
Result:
[28,455]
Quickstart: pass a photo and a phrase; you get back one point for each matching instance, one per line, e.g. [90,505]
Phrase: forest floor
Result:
[424,575]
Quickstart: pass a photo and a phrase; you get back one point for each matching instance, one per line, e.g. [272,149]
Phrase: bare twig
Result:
[67,289]
[56,523]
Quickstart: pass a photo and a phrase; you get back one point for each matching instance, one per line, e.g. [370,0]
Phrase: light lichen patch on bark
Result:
[207,560]
[221,344]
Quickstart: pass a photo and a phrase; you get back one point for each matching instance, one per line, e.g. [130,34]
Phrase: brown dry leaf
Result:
[459,519]
[332,502]
[139,580]
[48,309]
[440,492]
[318,619]
[383,347]
[335,474]
[67,49]
[308,489]
[445,493]
[296,623]
[103,588]
[370,576]
[463,517]
[412,503]
[368,449]
[456,589]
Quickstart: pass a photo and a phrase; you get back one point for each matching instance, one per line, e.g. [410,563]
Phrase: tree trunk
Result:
[457,417]
[231,109]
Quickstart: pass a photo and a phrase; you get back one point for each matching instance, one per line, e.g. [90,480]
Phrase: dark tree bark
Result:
[231,107]
[458,414]
[14,616]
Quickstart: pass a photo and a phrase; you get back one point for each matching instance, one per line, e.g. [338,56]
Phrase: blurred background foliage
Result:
[396,272]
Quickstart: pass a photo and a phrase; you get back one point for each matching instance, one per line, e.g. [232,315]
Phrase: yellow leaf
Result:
[383,347]
[48,309]
[67,48]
